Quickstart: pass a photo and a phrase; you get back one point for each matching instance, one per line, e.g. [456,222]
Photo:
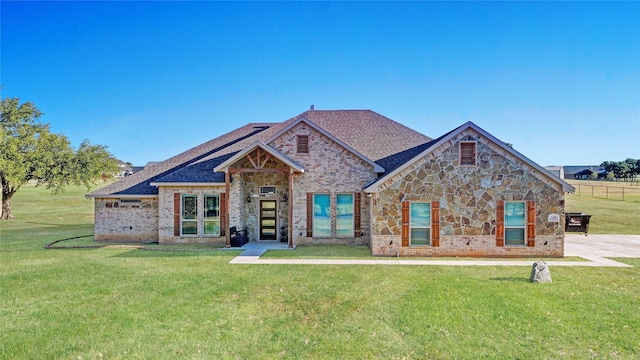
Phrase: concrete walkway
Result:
[596,249]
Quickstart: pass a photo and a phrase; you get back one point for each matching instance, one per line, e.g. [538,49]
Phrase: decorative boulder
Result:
[540,272]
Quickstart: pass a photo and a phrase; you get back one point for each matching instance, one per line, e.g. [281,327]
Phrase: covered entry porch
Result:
[259,181]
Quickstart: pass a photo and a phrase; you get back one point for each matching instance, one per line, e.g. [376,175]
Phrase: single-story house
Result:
[344,177]
[587,174]
[583,172]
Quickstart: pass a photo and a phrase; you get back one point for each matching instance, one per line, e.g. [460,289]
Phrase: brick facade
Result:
[329,168]
[466,185]
[125,219]
[165,233]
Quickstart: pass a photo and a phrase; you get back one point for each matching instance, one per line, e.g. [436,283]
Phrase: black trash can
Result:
[576,222]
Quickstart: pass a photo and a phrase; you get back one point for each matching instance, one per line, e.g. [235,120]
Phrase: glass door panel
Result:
[268,220]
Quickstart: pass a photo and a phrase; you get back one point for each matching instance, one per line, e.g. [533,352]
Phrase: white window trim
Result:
[523,227]
[182,219]
[315,233]
[353,217]
[205,219]
[428,228]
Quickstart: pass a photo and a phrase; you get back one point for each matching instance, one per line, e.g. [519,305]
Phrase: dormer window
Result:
[468,153]
[303,144]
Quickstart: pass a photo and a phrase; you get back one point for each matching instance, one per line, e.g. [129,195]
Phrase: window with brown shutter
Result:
[531,223]
[356,221]
[468,153]
[405,223]
[303,144]
[309,214]
[223,214]
[435,223]
[500,223]
[176,214]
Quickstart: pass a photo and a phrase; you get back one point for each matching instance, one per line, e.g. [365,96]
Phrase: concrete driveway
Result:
[599,247]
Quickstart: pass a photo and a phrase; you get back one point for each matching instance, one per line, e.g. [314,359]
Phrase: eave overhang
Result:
[226,165]
[374,186]
[182,184]
[116,196]
[376,168]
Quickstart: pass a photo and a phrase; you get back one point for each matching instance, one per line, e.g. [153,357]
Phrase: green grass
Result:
[607,216]
[613,190]
[135,304]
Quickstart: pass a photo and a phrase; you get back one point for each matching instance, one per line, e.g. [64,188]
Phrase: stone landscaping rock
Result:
[540,272]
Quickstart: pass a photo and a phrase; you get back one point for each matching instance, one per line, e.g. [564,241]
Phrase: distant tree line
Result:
[627,170]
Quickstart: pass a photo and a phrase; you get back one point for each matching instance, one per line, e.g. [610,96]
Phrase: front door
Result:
[268,215]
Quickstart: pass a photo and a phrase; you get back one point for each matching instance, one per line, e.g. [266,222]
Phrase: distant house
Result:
[584,172]
[344,177]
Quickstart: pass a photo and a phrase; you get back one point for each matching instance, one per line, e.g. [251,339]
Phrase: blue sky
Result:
[560,80]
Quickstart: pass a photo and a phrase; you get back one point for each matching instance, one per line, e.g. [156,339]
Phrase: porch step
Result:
[253,252]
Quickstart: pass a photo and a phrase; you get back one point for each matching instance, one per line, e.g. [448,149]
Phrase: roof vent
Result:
[312,107]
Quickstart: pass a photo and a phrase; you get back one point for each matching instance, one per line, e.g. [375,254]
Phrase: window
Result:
[420,223]
[189,214]
[303,144]
[321,215]
[212,214]
[514,223]
[345,220]
[344,215]
[468,153]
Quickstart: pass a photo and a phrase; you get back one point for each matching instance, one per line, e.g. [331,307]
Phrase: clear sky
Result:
[558,80]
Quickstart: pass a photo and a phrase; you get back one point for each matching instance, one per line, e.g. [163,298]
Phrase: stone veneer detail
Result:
[468,196]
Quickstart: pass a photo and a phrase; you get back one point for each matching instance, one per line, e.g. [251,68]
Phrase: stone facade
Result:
[467,196]
[467,192]
[125,219]
[248,218]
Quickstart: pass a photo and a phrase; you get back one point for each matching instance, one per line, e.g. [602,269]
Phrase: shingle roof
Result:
[199,172]
[139,183]
[392,162]
[404,159]
[371,134]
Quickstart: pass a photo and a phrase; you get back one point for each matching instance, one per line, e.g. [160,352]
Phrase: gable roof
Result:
[392,162]
[372,135]
[374,138]
[571,170]
[377,168]
[140,182]
[428,147]
[195,174]
[224,166]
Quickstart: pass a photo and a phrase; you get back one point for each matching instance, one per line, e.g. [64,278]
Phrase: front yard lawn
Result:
[127,303]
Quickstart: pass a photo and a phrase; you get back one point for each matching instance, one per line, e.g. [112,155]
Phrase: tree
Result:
[627,169]
[30,152]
